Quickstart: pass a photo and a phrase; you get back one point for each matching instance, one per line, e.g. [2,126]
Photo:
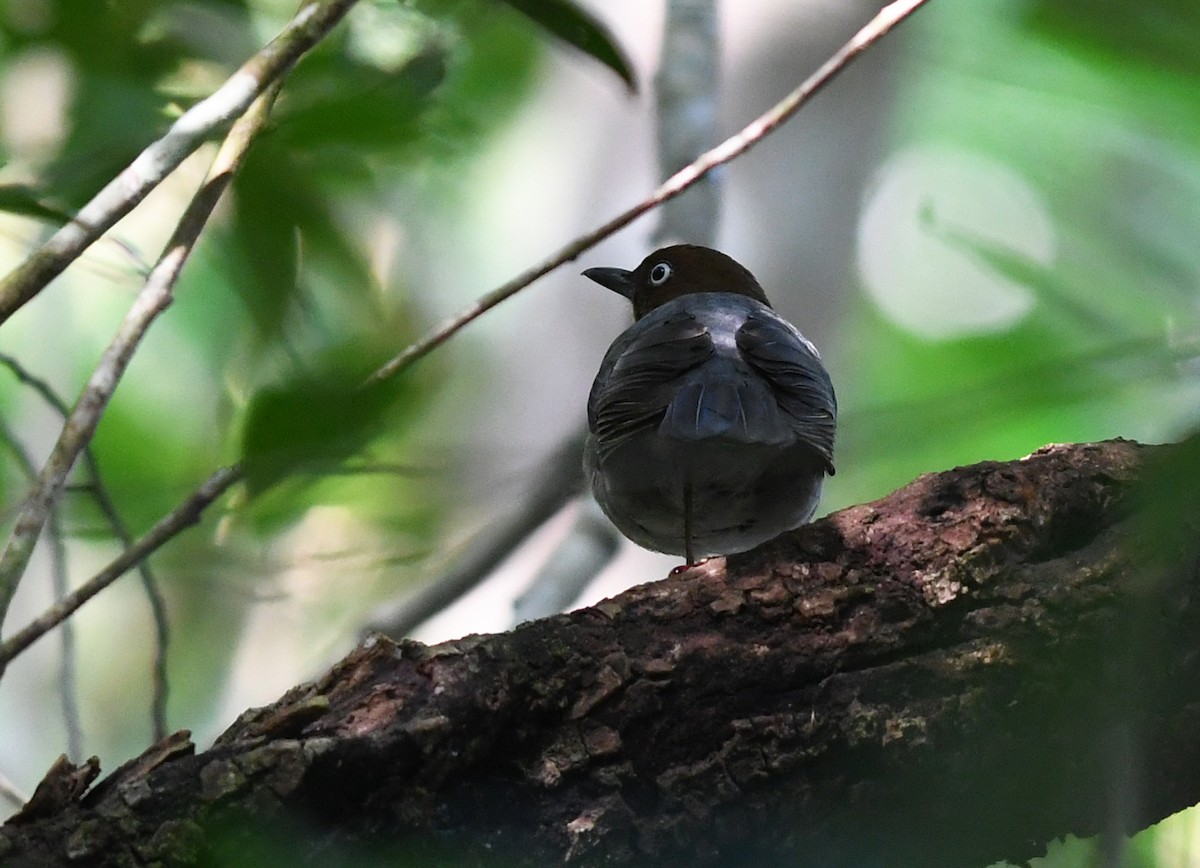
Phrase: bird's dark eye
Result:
[660,274]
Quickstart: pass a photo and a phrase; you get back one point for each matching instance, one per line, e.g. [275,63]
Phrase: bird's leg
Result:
[689,545]
[688,550]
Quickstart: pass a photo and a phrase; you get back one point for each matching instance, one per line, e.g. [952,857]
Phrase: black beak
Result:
[617,279]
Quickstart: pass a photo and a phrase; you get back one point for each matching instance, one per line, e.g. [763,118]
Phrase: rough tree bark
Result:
[982,661]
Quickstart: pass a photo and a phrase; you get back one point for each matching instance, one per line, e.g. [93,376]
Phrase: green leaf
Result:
[1158,35]
[311,425]
[284,249]
[335,103]
[262,240]
[1051,285]
[576,27]
[27,202]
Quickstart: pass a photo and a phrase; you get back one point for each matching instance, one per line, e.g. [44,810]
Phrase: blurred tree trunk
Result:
[986,659]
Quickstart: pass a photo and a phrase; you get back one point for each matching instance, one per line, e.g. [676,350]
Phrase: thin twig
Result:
[43,389]
[883,22]
[153,299]
[108,508]
[198,124]
[183,516]
[18,451]
[158,606]
[68,680]
[68,685]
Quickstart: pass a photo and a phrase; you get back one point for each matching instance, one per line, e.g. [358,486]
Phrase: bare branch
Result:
[18,451]
[183,516]
[200,123]
[153,299]
[43,389]
[879,26]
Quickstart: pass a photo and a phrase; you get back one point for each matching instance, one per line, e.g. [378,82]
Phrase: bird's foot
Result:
[704,566]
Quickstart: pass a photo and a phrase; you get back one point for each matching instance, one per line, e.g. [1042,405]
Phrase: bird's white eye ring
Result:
[660,274]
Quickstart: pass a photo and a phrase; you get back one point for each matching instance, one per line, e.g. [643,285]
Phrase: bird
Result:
[711,421]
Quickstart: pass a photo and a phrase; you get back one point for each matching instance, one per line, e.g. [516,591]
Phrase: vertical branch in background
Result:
[153,299]
[158,606]
[68,688]
[686,124]
[687,84]
[68,681]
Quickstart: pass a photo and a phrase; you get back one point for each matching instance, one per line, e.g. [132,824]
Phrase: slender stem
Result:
[883,22]
[68,675]
[689,529]
[207,117]
[67,682]
[43,389]
[158,605]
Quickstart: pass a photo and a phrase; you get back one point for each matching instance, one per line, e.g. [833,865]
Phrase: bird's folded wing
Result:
[643,378]
[796,376]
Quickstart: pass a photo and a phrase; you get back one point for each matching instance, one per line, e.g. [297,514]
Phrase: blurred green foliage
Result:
[282,311]
[1094,107]
[399,88]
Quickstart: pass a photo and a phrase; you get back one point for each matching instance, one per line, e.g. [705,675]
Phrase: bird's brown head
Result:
[682,269]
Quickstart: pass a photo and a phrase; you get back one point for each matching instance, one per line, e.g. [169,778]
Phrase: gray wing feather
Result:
[798,379]
[641,377]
